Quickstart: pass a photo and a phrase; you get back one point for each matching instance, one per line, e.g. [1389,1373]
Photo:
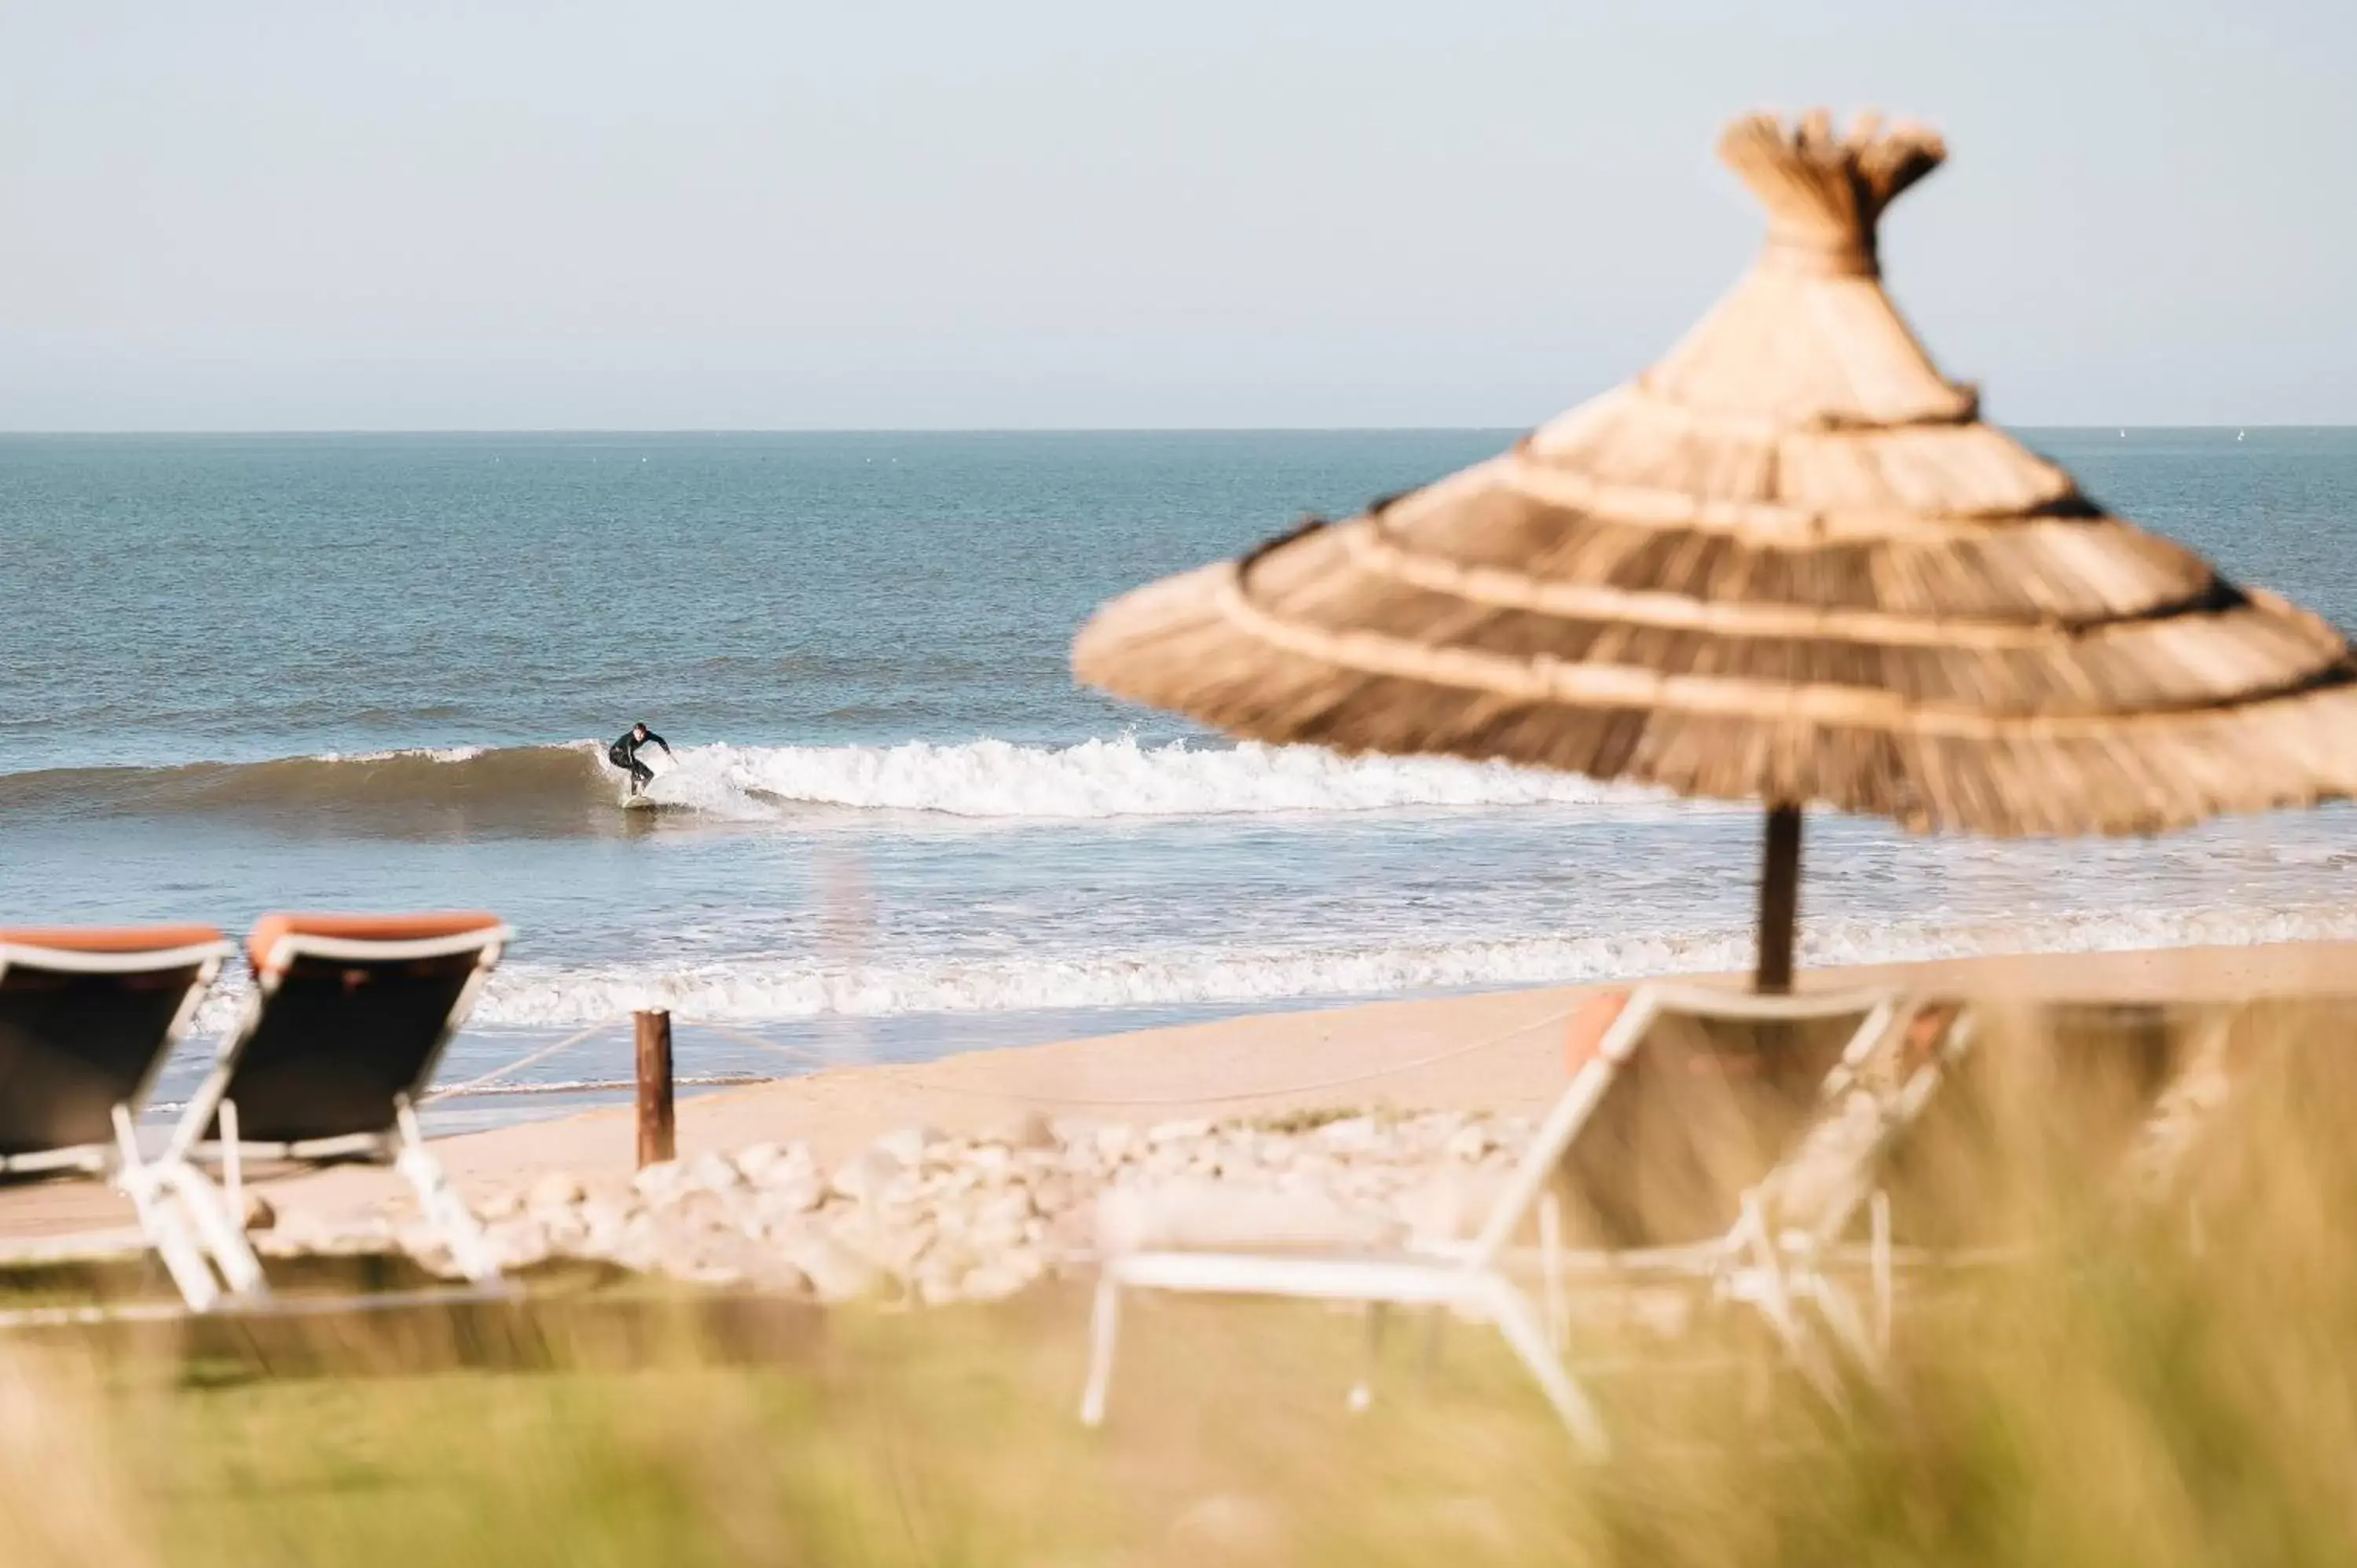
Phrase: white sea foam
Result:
[1120,777]
[401,754]
[756,991]
[702,784]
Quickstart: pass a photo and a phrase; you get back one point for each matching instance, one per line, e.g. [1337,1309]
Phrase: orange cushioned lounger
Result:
[108,939]
[271,929]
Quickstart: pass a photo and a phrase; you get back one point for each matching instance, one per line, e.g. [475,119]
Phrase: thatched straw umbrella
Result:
[1789,563]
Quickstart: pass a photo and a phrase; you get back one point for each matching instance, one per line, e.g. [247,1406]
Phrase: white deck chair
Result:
[1473,1279]
[1791,1248]
[88,1018]
[349,1018]
[1800,1220]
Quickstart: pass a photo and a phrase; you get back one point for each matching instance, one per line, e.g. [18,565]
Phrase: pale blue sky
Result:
[307,215]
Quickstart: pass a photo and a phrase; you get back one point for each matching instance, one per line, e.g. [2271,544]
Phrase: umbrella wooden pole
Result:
[1780,901]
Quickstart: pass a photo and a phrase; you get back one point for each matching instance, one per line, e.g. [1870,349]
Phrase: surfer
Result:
[624,755]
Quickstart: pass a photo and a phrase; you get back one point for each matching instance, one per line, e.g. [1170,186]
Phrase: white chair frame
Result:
[1469,1279]
[402,1145]
[177,1215]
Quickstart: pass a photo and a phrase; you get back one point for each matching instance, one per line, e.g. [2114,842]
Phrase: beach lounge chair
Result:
[2101,1104]
[1474,1278]
[349,1017]
[1792,1247]
[2062,1104]
[88,1016]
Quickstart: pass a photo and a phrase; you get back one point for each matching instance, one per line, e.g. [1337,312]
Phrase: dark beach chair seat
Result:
[349,1019]
[88,1018]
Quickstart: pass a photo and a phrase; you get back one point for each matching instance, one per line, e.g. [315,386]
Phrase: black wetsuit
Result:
[624,755]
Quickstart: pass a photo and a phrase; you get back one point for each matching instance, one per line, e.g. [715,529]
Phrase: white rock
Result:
[991,1238]
[797,1195]
[765,1163]
[937,1277]
[1469,1143]
[1028,1130]
[867,1175]
[660,1180]
[955,1182]
[1349,1135]
[1052,1190]
[312,1231]
[556,1189]
[567,1226]
[1010,1206]
[713,1172]
[701,1212]
[892,1243]
[518,1242]
[907,1144]
[1237,1153]
[1075,1132]
[1179,1132]
[835,1272]
[1117,1142]
[602,1221]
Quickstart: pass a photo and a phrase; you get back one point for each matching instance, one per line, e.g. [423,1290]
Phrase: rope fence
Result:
[531,1058]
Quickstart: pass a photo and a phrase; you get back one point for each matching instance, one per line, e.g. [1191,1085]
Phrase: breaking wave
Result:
[570,788]
[766,990]
[1122,779]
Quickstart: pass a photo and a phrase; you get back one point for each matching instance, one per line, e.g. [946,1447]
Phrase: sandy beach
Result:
[1497,1051]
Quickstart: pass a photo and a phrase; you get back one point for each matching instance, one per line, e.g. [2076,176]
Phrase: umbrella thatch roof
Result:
[1788,564]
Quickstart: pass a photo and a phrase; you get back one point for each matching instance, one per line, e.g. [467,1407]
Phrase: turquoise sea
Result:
[377,671]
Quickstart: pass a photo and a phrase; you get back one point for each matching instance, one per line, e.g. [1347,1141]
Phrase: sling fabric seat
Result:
[350,1017]
[347,1021]
[88,1018]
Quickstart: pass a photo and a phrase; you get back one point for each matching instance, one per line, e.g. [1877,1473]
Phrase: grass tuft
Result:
[2156,1380]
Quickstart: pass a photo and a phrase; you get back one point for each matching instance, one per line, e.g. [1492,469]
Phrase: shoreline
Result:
[1497,1051]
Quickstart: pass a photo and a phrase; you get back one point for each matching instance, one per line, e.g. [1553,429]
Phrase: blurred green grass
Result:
[2158,1384]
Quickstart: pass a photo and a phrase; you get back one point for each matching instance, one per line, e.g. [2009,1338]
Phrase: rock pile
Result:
[930,1216]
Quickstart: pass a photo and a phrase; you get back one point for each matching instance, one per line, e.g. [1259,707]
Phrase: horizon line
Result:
[13,434]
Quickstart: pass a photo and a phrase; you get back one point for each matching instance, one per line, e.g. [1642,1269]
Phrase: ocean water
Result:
[240,673]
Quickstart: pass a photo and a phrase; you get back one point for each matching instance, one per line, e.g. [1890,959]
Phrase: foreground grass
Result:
[2158,1387]
[944,1437]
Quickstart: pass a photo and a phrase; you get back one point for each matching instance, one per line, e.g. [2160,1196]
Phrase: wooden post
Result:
[1780,901]
[657,1140]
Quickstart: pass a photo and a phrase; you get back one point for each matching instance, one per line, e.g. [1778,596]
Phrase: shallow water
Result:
[248,672]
